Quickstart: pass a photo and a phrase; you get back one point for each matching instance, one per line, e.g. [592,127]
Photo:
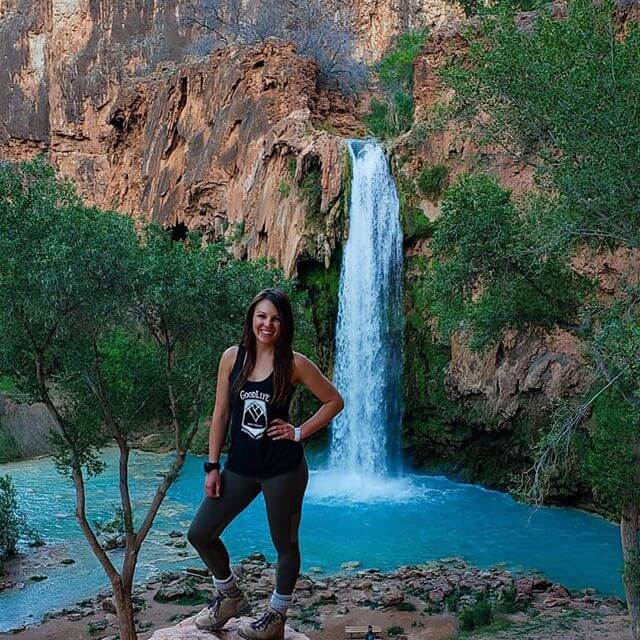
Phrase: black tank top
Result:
[252,452]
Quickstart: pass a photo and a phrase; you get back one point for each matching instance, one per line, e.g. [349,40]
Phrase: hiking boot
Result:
[270,626]
[222,608]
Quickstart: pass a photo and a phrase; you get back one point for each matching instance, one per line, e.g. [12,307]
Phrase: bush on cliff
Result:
[9,449]
[393,114]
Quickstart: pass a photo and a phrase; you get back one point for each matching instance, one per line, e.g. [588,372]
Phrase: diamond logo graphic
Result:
[254,418]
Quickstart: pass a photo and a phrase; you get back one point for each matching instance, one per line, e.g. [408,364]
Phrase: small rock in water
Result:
[175,534]
[316,570]
[351,564]
[67,561]
[38,577]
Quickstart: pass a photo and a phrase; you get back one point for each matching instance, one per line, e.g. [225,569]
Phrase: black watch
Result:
[210,466]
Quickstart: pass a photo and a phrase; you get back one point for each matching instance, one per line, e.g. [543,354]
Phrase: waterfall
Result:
[368,366]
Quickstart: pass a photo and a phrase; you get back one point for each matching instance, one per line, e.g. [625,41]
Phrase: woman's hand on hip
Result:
[281,430]
[212,484]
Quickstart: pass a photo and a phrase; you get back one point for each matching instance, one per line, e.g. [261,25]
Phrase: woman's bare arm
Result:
[219,421]
[308,374]
[221,410]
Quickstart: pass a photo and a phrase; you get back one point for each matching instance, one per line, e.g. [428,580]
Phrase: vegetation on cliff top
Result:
[561,97]
[320,31]
[392,114]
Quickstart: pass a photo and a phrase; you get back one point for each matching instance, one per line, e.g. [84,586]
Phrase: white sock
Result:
[280,603]
[228,585]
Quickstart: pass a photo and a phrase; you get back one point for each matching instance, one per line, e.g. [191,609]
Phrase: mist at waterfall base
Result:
[359,504]
[420,518]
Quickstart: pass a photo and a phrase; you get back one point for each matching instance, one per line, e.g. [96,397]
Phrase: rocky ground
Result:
[431,601]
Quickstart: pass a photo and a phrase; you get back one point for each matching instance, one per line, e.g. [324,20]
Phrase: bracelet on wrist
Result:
[297,434]
[211,466]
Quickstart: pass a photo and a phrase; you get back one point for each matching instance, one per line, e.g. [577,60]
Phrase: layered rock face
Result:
[216,143]
[378,21]
[117,96]
[27,425]
[222,144]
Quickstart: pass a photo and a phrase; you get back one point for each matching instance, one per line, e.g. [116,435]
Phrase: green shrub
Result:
[395,630]
[393,115]
[291,166]
[508,600]
[474,7]
[9,449]
[7,384]
[115,525]
[452,601]
[395,69]
[390,117]
[200,443]
[480,614]
[11,522]
[311,189]
[415,224]
[431,180]
[284,189]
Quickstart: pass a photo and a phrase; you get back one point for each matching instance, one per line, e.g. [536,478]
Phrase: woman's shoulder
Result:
[228,357]
[300,363]
[230,352]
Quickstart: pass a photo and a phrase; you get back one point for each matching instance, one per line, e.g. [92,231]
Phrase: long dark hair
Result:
[283,348]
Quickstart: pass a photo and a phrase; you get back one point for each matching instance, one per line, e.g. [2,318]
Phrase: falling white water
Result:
[366,434]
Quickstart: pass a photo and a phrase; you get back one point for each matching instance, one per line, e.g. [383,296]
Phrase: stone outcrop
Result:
[505,379]
[219,143]
[378,21]
[223,145]
[29,425]
[120,97]
[186,630]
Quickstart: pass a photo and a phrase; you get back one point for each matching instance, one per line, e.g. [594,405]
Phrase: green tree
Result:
[11,522]
[561,97]
[122,329]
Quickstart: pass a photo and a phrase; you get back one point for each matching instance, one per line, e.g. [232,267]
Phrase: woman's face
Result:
[266,322]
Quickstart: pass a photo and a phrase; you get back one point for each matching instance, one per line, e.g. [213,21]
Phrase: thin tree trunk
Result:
[124,608]
[629,527]
[76,475]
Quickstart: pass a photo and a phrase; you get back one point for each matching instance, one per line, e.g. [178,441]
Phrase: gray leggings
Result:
[283,498]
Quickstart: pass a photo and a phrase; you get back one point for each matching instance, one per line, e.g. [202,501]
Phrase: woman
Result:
[254,389]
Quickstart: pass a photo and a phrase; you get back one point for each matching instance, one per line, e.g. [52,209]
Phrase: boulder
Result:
[392,597]
[186,630]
